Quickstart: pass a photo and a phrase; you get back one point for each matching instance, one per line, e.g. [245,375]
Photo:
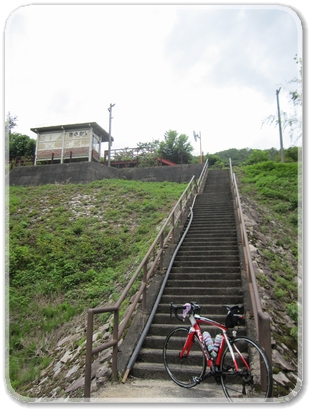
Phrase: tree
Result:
[149,147]
[175,147]
[20,145]
[291,154]
[215,161]
[238,156]
[10,123]
[293,120]
[258,156]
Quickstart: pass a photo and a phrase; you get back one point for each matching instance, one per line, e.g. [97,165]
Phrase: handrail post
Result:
[264,342]
[115,347]
[144,301]
[173,231]
[161,247]
[88,357]
[181,213]
[265,333]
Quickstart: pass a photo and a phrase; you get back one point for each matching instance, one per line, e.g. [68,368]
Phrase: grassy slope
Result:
[277,187]
[73,247]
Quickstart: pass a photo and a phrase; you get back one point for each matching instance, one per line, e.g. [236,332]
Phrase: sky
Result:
[209,69]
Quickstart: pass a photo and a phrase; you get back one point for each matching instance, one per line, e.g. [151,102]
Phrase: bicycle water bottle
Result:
[218,340]
[209,344]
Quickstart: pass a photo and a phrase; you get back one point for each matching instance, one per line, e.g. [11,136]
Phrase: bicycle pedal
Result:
[197,380]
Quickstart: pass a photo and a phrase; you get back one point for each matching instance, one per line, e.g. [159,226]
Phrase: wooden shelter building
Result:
[69,143]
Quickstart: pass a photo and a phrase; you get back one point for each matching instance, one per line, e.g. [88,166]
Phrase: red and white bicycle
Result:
[241,365]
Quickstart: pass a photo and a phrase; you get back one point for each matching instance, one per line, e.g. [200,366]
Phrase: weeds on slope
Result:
[278,187]
[72,247]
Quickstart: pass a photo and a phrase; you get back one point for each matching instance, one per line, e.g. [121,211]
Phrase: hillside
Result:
[271,200]
[73,247]
[58,269]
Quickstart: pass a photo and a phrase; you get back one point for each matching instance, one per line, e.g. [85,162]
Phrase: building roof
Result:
[96,127]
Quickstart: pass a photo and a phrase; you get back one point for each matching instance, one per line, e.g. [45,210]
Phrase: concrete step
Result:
[149,370]
[183,275]
[162,330]
[217,223]
[207,309]
[198,256]
[203,283]
[223,245]
[196,264]
[208,250]
[221,299]
[202,291]
[219,270]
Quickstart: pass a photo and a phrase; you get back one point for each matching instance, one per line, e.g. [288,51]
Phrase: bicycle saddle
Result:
[235,315]
[231,307]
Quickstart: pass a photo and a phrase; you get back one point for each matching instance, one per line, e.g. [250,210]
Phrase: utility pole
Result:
[201,156]
[109,146]
[280,125]
[197,136]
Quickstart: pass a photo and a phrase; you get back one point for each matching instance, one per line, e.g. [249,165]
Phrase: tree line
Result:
[174,147]
[19,145]
[177,147]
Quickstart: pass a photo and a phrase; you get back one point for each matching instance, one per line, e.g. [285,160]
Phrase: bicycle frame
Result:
[237,355]
[195,320]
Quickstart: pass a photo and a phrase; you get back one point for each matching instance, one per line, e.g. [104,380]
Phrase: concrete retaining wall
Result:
[86,172]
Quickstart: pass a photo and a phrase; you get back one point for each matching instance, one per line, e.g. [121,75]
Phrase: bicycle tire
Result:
[183,371]
[246,384]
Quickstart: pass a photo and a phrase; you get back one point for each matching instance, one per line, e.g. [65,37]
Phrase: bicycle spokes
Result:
[251,379]
[184,364]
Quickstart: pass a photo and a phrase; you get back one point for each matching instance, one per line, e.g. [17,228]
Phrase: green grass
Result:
[277,187]
[73,247]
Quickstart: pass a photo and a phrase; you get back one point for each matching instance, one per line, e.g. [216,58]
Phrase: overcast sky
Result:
[212,69]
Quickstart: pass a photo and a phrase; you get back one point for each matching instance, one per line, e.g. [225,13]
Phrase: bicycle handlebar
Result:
[235,315]
[191,308]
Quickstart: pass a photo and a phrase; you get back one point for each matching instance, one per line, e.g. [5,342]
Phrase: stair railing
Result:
[262,319]
[153,259]
[202,178]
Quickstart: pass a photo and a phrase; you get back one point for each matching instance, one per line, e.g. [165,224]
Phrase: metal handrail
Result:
[155,307]
[174,219]
[203,177]
[262,319]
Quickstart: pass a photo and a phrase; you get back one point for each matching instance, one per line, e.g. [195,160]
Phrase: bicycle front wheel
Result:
[253,380]
[183,370]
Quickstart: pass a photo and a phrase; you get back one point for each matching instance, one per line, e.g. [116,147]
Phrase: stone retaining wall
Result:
[86,172]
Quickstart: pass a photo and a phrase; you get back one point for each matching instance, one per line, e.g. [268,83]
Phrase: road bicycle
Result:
[241,365]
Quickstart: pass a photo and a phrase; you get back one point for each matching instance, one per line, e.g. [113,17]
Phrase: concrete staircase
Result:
[206,269]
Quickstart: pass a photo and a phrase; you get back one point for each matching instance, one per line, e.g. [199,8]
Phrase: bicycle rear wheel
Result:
[253,382]
[193,364]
